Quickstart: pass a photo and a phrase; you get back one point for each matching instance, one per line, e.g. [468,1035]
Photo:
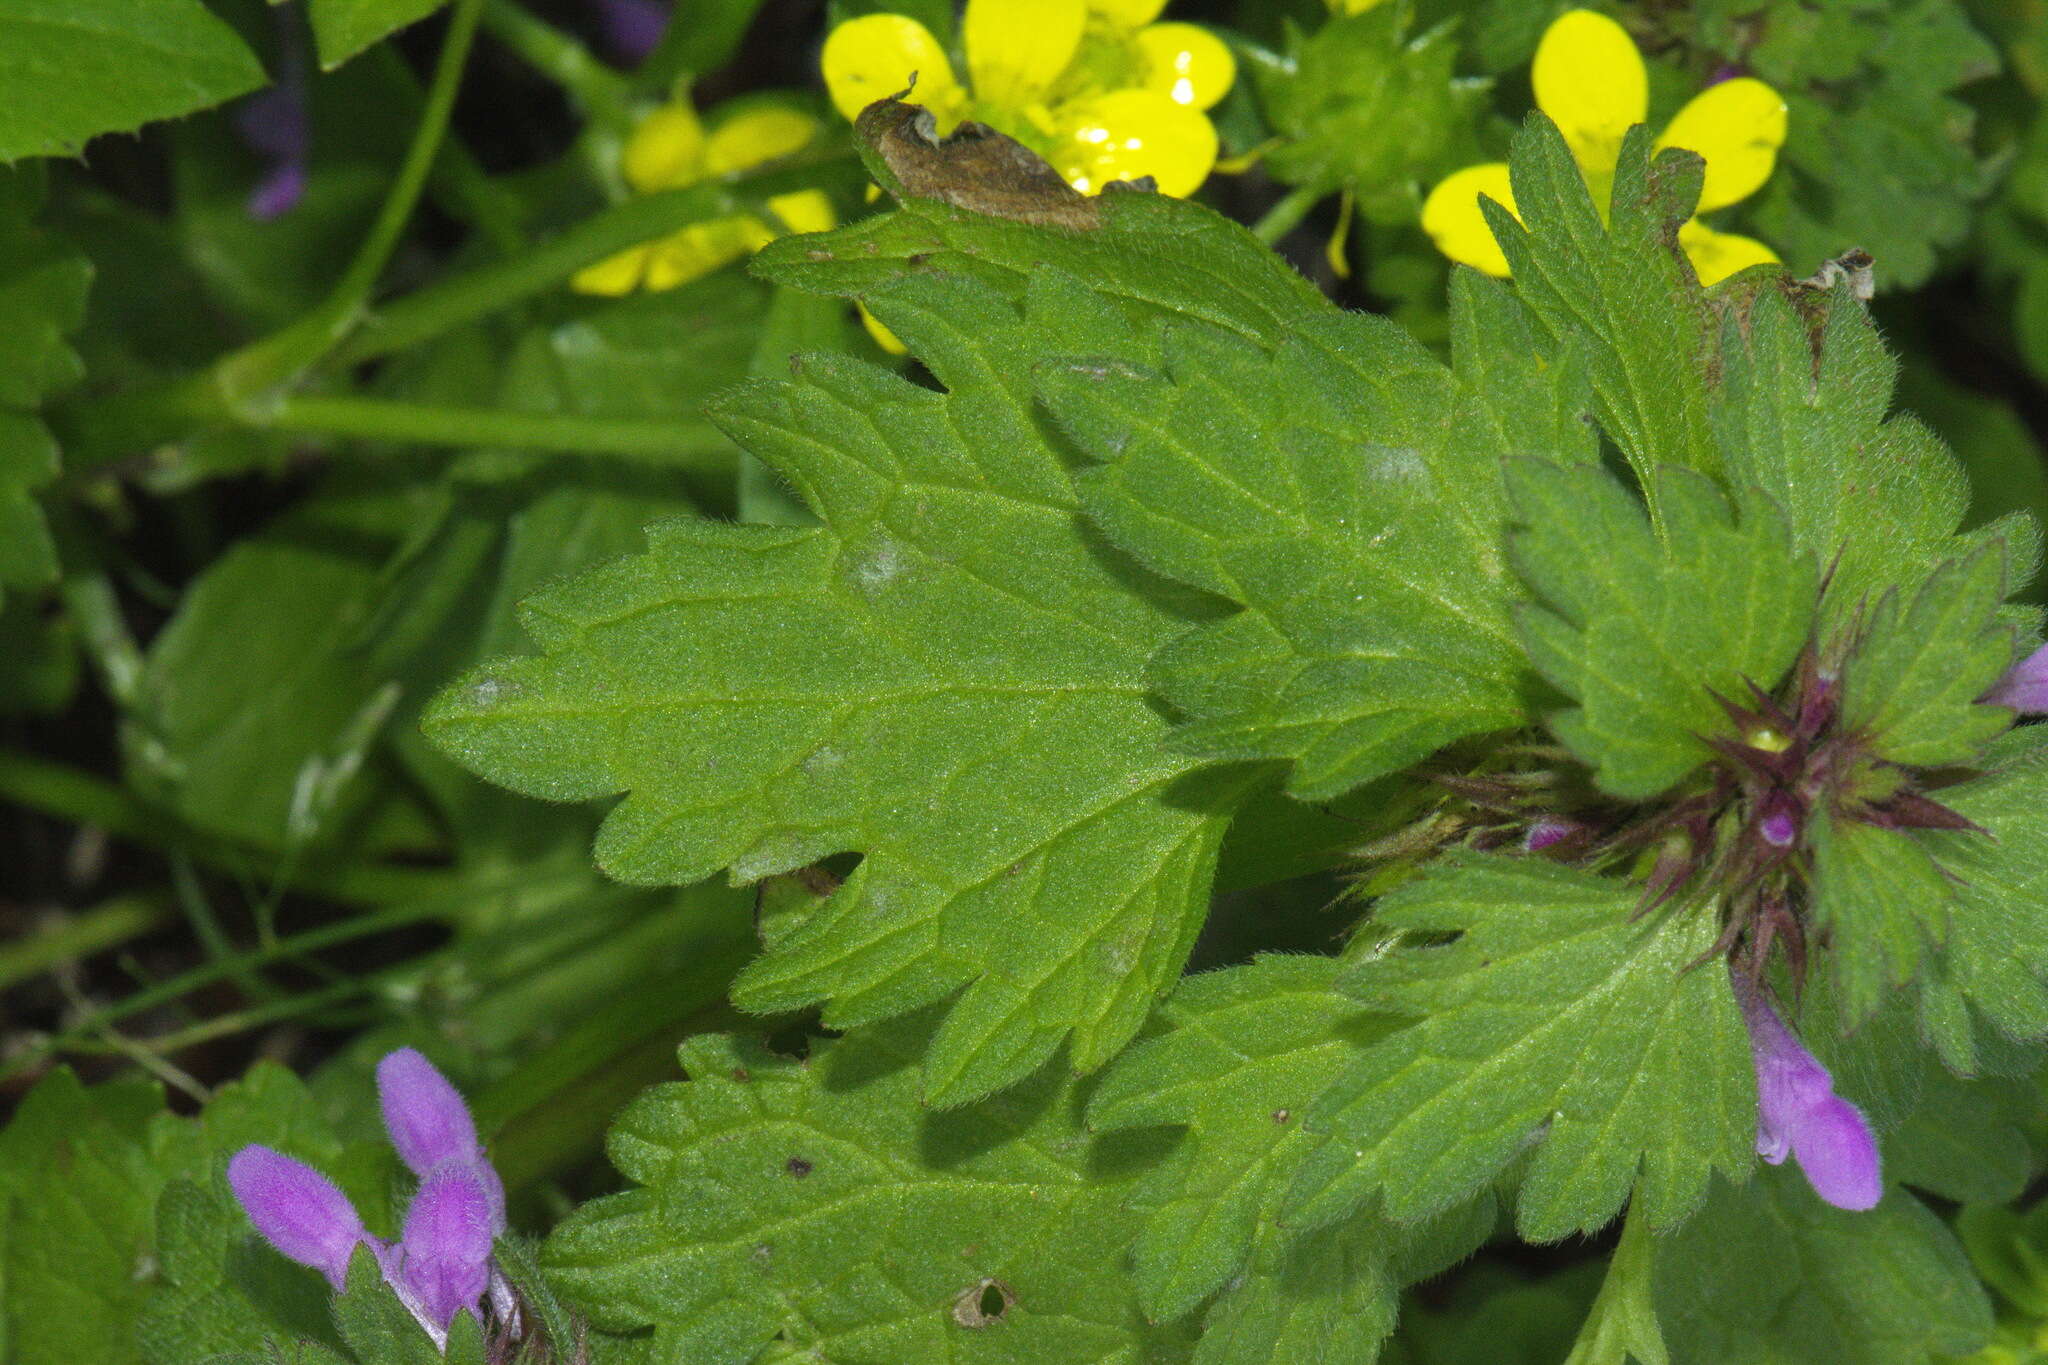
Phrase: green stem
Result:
[267,365]
[90,931]
[602,94]
[486,289]
[84,799]
[1286,215]
[381,419]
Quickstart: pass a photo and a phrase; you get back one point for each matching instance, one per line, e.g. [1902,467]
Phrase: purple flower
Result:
[277,125]
[1799,1114]
[298,1210]
[441,1263]
[2025,685]
[632,28]
[1548,830]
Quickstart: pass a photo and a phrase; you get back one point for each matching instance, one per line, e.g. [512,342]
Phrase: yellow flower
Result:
[1354,6]
[670,149]
[1094,86]
[1590,80]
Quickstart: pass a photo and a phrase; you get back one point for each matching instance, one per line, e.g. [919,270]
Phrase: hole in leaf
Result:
[984,1303]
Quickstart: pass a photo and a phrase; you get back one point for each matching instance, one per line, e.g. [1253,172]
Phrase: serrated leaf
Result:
[73,69]
[1770,1275]
[1615,287]
[80,1170]
[1911,684]
[1345,491]
[1153,256]
[1360,104]
[342,28]
[946,678]
[1643,625]
[1556,1020]
[1801,414]
[1886,906]
[378,1328]
[1243,1053]
[1995,961]
[819,1202]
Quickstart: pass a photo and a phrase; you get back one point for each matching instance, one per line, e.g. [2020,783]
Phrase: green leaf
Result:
[80,1170]
[1242,1054]
[1616,289]
[946,678]
[1768,1274]
[1967,1140]
[1153,257]
[1346,491]
[1879,152]
[342,28]
[42,297]
[1801,415]
[1358,104]
[1642,626]
[818,1201]
[1885,904]
[1622,1323]
[1553,1019]
[1911,683]
[1994,962]
[74,69]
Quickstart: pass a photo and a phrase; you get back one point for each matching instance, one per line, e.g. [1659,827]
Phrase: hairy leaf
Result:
[946,677]
[1770,1275]
[1555,1020]
[1243,1053]
[818,1201]
[1346,490]
[1911,684]
[1643,626]
[1615,287]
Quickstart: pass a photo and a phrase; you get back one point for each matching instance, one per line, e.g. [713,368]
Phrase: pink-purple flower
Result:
[441,1263]
[1798,1113]
[2025,685]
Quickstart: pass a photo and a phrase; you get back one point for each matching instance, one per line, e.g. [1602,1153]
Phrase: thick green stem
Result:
[80,935]
[378,419]
[1286,215]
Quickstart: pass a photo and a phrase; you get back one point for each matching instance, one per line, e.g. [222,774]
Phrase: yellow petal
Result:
[1452,218]
[1738,127]
[665,150]
[875,56]
[804,211]
[614,275]
[1016,48]
[1717,255]
[1126,134]
[696,251]
[1354,6]
[884,338]
[1188,65]
[757,135]
[1126,14]
[1589,78]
